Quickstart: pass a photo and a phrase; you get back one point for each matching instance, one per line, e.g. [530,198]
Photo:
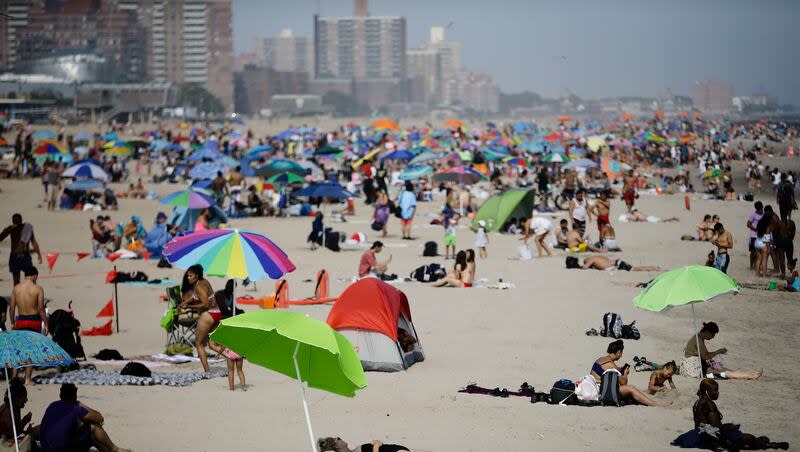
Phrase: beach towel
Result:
[154,283]
[108,378]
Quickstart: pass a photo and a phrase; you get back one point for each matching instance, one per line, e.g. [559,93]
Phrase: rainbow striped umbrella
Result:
[49,147]
[188,198]
[516,161]
[230,253]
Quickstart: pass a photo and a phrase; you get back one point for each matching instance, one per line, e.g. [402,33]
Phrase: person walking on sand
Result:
[602,210]
[481,239]
[22,240]
[723,242]
[629,190]
[407,203]
[27,309]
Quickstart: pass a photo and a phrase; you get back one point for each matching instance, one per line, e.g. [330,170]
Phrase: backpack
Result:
[612,325]
[136,370]
[65,330]
[431,249]
[631,331]
[563,393]
[609,388]
[428,273]
[572,262]
[108,355]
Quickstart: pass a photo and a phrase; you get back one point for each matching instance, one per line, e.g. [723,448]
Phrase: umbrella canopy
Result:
[49,147]
[328,150]
[612,168]
[86,170]
[555,157]
[580,163]
[385,124]
[424,157]
[204,154]
[85,185]
[399,155]
[460,174]
[455,123]
[44,135]
[188,198]
[685,285]
[516,161]
[205,170]
[325,190]
[415,172]
[712,173]
[278,166]
[285,179]
[230,253]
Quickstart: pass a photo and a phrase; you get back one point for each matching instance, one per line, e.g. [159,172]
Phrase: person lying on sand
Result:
[626,390]
[661,376]
[710,367]
[605,263]
[634,216]
[339,445]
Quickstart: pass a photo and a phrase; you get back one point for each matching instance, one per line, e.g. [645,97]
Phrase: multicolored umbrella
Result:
[21,348]
[401,154]
[328,150]
[415,172]
[230,253]
[50,147]
[86,170]
[460,174]
[191,199]
[611,167]
[279,166]
[580,163]
[516,161]
[424,157]
[555,157]
[298,346]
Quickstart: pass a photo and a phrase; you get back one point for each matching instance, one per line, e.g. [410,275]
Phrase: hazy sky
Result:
[595,48]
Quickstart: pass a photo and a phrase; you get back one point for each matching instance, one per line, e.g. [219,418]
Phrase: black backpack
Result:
[135,369]
[65,330]
[563,393]
[108,354]
[612,325]
[572,262]
[428,273]
[609,388]
[631,331]
[431,249]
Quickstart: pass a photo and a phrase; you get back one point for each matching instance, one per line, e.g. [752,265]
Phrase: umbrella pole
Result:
[305,403]
[11,409]
[697,338]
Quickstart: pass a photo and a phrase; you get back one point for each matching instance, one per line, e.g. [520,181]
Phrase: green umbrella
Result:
[555,157]
[685,285]
[328,150]
[297,346]
[285,178]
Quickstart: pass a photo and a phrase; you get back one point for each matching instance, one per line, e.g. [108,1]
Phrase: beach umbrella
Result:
[563,118]
[686,285]
[85,185]
[298,346]
[325,190]
[285,178]
[401,154]
[192,199]
[44,135]
[279,166]
[555,136]
[516,161]
[712,173]
[50,147]
[385,124]
[580,163]
[328,150]
[205,170]
[287,134]
[82,137]
[534,147]
[21,348]
[555,157]
[204,154]
[612,168]
[86,170]
[117,148]
[495,153]
[415,172]
[110,137]
[454,123]
[460,174]
[424,157]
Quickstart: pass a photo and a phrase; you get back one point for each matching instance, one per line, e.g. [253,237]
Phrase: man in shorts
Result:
[22,240]
[27,309]
[541,227]
[723,242]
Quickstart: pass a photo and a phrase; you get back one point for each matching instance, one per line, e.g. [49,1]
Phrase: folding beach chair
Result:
[180,330]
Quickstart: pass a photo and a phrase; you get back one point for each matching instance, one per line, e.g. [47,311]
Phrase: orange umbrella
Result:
[659,114]
[687,139]
[627,116]
[697,116]
[683,114]
[563,118]
[385,124]
[455,123]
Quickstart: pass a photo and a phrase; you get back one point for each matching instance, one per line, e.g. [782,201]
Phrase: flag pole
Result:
[116,300]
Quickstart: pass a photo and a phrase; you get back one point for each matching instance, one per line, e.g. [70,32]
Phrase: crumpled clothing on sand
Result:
[109,378]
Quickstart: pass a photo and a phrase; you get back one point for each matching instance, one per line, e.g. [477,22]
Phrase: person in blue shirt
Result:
[159,236]
[407,203]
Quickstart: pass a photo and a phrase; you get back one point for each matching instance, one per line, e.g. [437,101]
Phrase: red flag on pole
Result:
[51,260]
[104,330]
[145,255]
[81,256]
[111,276]
[108,310]
[113,256]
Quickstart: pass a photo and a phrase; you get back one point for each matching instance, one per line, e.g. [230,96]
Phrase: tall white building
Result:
[18,12]
[449,51]
[286,52]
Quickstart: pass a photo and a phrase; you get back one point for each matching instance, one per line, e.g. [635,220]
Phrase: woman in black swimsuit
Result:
[339,445]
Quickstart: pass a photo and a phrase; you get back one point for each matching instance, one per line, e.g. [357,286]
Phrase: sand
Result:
[532,333]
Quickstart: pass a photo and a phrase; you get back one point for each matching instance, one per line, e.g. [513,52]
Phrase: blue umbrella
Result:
[204,154]
[21,348]
[86,170]
[205,170]
[287,134]
[110,137]
[398,155]
[259,150]
[278,166]
[426,156]
[85,185]
[580,163]
[325,190]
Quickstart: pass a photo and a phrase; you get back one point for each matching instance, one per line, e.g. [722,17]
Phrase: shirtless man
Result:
[561,235]
[629,189]
[723,242]
[220,188]
[602,208]
[22,239]
[236,177]
[576,243]
[27,309]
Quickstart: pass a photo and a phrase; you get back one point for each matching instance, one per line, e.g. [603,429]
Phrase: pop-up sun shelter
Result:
[516,203]
[368,314]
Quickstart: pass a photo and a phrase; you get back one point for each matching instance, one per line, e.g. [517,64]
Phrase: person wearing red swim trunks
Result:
[629,190]
[602,209]
[27,308]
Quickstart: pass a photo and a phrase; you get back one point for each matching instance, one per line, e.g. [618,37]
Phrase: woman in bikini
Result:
[198,301]
[468,276]
[457,277]
[627,391]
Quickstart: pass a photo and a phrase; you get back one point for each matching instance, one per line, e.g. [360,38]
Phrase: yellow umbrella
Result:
[357,164]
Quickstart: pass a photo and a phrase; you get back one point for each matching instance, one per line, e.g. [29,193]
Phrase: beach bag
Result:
[135,369]
[376,226]
[431,249]
[107,354]
[690,367]
[179,349]
[587,389]
[631,331]
[428,273]
[563,393]
[609,388]
[572,262]
[168,319]
[524,253]
[612,325]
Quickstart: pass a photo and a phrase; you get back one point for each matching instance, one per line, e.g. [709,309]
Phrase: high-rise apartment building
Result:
[286,52]
[359,47]
[450,52]
[424,71]
[16,17]
[361,8]
[712,96]
[475,91]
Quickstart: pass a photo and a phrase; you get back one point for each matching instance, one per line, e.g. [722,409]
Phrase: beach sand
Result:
[532,333]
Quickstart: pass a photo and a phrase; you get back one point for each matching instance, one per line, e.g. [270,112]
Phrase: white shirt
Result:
[540,225]
[579,210]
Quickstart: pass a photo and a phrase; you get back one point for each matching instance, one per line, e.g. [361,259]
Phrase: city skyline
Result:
[715,40]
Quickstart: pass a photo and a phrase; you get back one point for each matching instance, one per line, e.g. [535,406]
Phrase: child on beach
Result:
[661,376]
[235,362]
[481,239]
[450,222]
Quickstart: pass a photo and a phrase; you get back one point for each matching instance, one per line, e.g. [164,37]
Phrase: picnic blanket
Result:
[108,378]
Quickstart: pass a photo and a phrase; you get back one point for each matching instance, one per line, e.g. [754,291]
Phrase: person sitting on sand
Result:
[705,229]
[459,275]
[661,376]
[710,433]
[198,302]
[69,425]
[19,397]
[792,281]
[339,445]
[561,235]
[627,391]
[605,263]
[576,243]
[369,264]
[406,340]
[608,239]
[469,276]
[710,367]
[634,216]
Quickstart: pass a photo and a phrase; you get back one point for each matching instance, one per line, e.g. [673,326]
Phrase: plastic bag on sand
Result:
[524,253]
